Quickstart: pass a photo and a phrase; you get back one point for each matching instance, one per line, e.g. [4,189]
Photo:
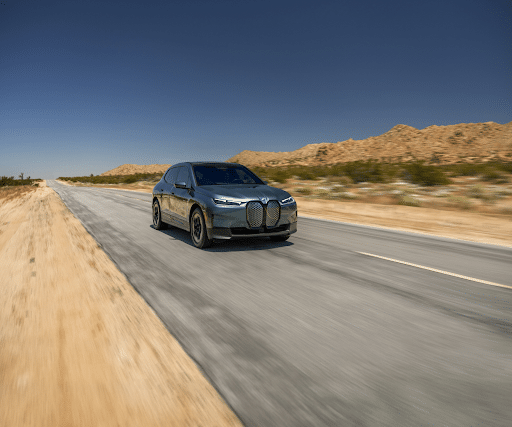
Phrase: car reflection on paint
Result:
[222,201]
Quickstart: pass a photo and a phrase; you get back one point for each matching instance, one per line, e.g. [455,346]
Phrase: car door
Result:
[168,190]
[181,197]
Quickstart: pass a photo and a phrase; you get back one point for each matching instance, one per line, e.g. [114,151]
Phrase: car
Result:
[220,200]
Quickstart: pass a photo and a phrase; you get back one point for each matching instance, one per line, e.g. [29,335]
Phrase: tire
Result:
[279,238]
[157,216]
[198,231]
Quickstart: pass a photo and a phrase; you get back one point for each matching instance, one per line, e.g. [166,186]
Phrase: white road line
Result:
[460,276]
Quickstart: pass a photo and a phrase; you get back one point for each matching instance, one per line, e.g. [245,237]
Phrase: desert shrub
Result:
[504,167]
[479,192]
[460,202]
[428,175]
[6,181]
[341,180]
[306,191]
[280,175]
[304,172]
[346,195]
[130,179]
[365,171]
[114,179]
[466,169]
[476,191]
[325,194]
[491,174]
[407,200]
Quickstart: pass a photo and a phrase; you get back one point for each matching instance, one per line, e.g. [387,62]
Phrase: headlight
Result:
[229,202]
[288,200]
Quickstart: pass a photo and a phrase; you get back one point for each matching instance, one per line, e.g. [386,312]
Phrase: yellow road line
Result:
[460,276]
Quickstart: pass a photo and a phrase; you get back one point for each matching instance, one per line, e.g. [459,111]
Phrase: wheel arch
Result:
[205,216]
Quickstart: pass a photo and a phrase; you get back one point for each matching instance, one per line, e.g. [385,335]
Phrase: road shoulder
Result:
[79,344]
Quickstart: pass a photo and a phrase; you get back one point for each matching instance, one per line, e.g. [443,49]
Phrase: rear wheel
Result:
[279,238]
[198,230]
[157,216]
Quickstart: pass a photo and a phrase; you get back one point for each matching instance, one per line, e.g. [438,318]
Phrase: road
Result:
[317,331]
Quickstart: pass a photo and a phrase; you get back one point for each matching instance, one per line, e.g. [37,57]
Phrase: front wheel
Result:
[198,230]
[157,216]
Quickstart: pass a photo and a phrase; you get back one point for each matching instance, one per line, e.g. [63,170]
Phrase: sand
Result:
[79,346]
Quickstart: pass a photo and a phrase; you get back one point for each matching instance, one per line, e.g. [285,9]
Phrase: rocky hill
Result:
[133,169]
[465,142]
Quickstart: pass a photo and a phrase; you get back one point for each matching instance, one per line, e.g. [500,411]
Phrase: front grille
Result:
[255,214]
[259,216]
[273,211]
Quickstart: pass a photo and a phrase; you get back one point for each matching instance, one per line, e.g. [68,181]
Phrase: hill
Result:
[462,143]
[129,169]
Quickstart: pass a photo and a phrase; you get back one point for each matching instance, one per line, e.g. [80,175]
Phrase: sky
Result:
[86,86]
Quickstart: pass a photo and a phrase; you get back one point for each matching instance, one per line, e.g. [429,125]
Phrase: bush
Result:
[130,179]
[365,171]
[491,174]
[460,201]
[114,179]
[504,167]
[11,182]
[306,191]
[466,169]
[419,173]
[479,192]
[409,201]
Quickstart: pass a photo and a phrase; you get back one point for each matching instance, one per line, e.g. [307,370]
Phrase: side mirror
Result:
[181,184]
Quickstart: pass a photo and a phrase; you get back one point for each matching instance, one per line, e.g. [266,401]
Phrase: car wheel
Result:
[279,238]
[198,230]
[157,216]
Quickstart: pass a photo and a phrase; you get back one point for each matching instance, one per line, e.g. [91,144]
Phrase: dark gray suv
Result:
[222,201]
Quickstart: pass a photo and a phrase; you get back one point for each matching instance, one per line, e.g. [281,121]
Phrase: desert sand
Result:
[469,226]
[79,346]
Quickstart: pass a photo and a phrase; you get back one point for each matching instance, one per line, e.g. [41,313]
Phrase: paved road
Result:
[312,332]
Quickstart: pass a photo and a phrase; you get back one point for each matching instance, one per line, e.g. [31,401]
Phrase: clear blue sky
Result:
[86,86]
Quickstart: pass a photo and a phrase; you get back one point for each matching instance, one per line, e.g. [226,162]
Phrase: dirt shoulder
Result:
[78,345]
[468,226]
[458,224]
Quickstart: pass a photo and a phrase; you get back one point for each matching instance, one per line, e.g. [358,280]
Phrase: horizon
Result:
[87,87]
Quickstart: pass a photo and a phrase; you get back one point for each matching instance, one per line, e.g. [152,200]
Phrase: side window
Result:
[170,176]
[183,176]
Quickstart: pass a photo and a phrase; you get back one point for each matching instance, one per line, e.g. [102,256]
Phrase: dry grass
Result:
[10,193]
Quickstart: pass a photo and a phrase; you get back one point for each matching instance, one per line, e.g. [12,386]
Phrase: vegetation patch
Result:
[114,179]
[407,200]
[422,174]
[11,182]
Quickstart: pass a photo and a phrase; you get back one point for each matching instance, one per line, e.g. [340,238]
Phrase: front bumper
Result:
[243,233]
[231,223]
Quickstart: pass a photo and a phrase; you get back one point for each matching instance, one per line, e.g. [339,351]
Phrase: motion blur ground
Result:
[78,345]
[314,331]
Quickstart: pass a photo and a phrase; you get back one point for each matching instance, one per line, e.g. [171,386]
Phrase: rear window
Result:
[223,175]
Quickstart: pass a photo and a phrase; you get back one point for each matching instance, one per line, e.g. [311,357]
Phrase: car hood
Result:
[243,191]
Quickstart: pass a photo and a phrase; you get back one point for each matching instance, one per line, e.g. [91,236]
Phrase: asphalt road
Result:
[312,332]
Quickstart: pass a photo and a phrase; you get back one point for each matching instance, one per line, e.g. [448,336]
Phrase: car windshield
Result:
[223,175]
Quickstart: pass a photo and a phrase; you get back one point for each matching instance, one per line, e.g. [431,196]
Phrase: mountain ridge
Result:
[463,142]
